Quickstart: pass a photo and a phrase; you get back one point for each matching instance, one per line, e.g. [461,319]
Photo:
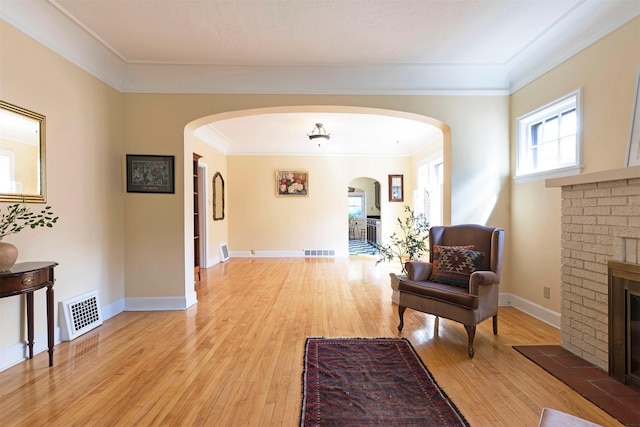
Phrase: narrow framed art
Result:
[150,174]
[292,183]
[633,149]
[396,188]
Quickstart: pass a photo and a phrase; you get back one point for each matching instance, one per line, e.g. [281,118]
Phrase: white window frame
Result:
[7,183]
[363,199]
[523,132]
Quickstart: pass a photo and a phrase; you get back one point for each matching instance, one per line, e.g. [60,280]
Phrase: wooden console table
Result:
[25,278]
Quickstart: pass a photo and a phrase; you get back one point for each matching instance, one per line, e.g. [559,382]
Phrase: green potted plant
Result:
[409,245]
[15,219]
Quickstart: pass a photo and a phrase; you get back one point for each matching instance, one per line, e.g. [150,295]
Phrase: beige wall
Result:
[261,221]
[606,72]
[84,187]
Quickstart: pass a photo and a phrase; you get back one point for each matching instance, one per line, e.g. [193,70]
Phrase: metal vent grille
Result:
[319,253]
[224,252]
[81,314]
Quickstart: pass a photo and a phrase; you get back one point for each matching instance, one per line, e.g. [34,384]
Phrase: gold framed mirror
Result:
[22,155]
[218,197]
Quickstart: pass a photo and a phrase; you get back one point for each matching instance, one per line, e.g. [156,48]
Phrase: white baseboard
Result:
[159,303]
[19,352]
[108,311]
[532,309]
[212,261]
[280,254]
[266,254]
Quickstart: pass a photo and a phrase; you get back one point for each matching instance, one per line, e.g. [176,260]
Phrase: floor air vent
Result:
[319,252]
[224,252]
[81,314]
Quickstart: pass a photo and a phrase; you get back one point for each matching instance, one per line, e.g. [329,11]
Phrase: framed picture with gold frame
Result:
[396,188]
[292,183]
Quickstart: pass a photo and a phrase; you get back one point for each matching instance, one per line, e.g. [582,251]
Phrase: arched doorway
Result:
[252,183]
[363,195]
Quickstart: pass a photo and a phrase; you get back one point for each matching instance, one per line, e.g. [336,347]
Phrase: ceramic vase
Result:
[8,255]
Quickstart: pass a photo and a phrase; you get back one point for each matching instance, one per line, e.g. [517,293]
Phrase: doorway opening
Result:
[364,215]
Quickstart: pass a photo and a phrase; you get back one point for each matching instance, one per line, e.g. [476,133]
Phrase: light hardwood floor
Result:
[235,358]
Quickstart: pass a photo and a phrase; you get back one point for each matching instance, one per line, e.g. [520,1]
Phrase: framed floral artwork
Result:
[292,183]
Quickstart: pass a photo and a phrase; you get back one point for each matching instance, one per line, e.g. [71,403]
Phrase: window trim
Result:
[363,196]
[525,121]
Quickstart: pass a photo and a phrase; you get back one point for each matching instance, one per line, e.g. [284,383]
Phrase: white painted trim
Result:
[213,261]
[160,303]
[503,299]
[281,254]
[191,299]
[532,309]
[203,172]
[108,311]
[18,353]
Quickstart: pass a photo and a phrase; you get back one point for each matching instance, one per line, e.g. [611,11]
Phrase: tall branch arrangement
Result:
[19,216]
[411,244]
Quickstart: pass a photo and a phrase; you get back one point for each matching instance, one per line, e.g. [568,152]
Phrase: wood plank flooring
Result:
[235,358]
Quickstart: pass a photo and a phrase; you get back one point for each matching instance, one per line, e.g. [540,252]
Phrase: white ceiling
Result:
[318,47]
[351,134]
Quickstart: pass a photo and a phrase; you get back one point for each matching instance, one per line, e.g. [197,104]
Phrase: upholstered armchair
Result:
[461,280]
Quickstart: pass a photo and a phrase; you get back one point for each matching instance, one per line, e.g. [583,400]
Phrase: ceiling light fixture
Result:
[319,135]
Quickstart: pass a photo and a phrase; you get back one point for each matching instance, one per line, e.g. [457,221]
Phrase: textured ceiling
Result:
[307,32]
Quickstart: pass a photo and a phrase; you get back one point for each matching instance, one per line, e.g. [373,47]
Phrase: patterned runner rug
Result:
[371,382]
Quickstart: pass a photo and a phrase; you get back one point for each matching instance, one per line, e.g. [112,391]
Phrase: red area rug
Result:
[371,382]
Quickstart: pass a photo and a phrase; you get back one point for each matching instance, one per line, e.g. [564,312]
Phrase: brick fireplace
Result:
[600,223]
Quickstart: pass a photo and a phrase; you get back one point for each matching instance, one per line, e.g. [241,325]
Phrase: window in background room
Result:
[428,196]
[7,172]
[357,206]
[549,143]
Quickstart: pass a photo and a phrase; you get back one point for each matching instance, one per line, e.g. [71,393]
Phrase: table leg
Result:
[29,297]
[50,322]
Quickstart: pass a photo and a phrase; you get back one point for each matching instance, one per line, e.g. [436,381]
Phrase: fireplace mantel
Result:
[593,177]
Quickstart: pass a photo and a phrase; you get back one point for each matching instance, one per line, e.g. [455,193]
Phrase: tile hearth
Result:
[594,384]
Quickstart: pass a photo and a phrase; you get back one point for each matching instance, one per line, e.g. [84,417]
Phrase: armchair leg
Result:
[401,314]
[436,325]
[471,331]
[495,324]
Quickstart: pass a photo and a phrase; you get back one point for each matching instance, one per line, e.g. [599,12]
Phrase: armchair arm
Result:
[483,278]
[418,270]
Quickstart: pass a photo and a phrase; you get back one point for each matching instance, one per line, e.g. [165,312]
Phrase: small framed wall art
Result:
[396,188]
[150,174]
[292,183]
